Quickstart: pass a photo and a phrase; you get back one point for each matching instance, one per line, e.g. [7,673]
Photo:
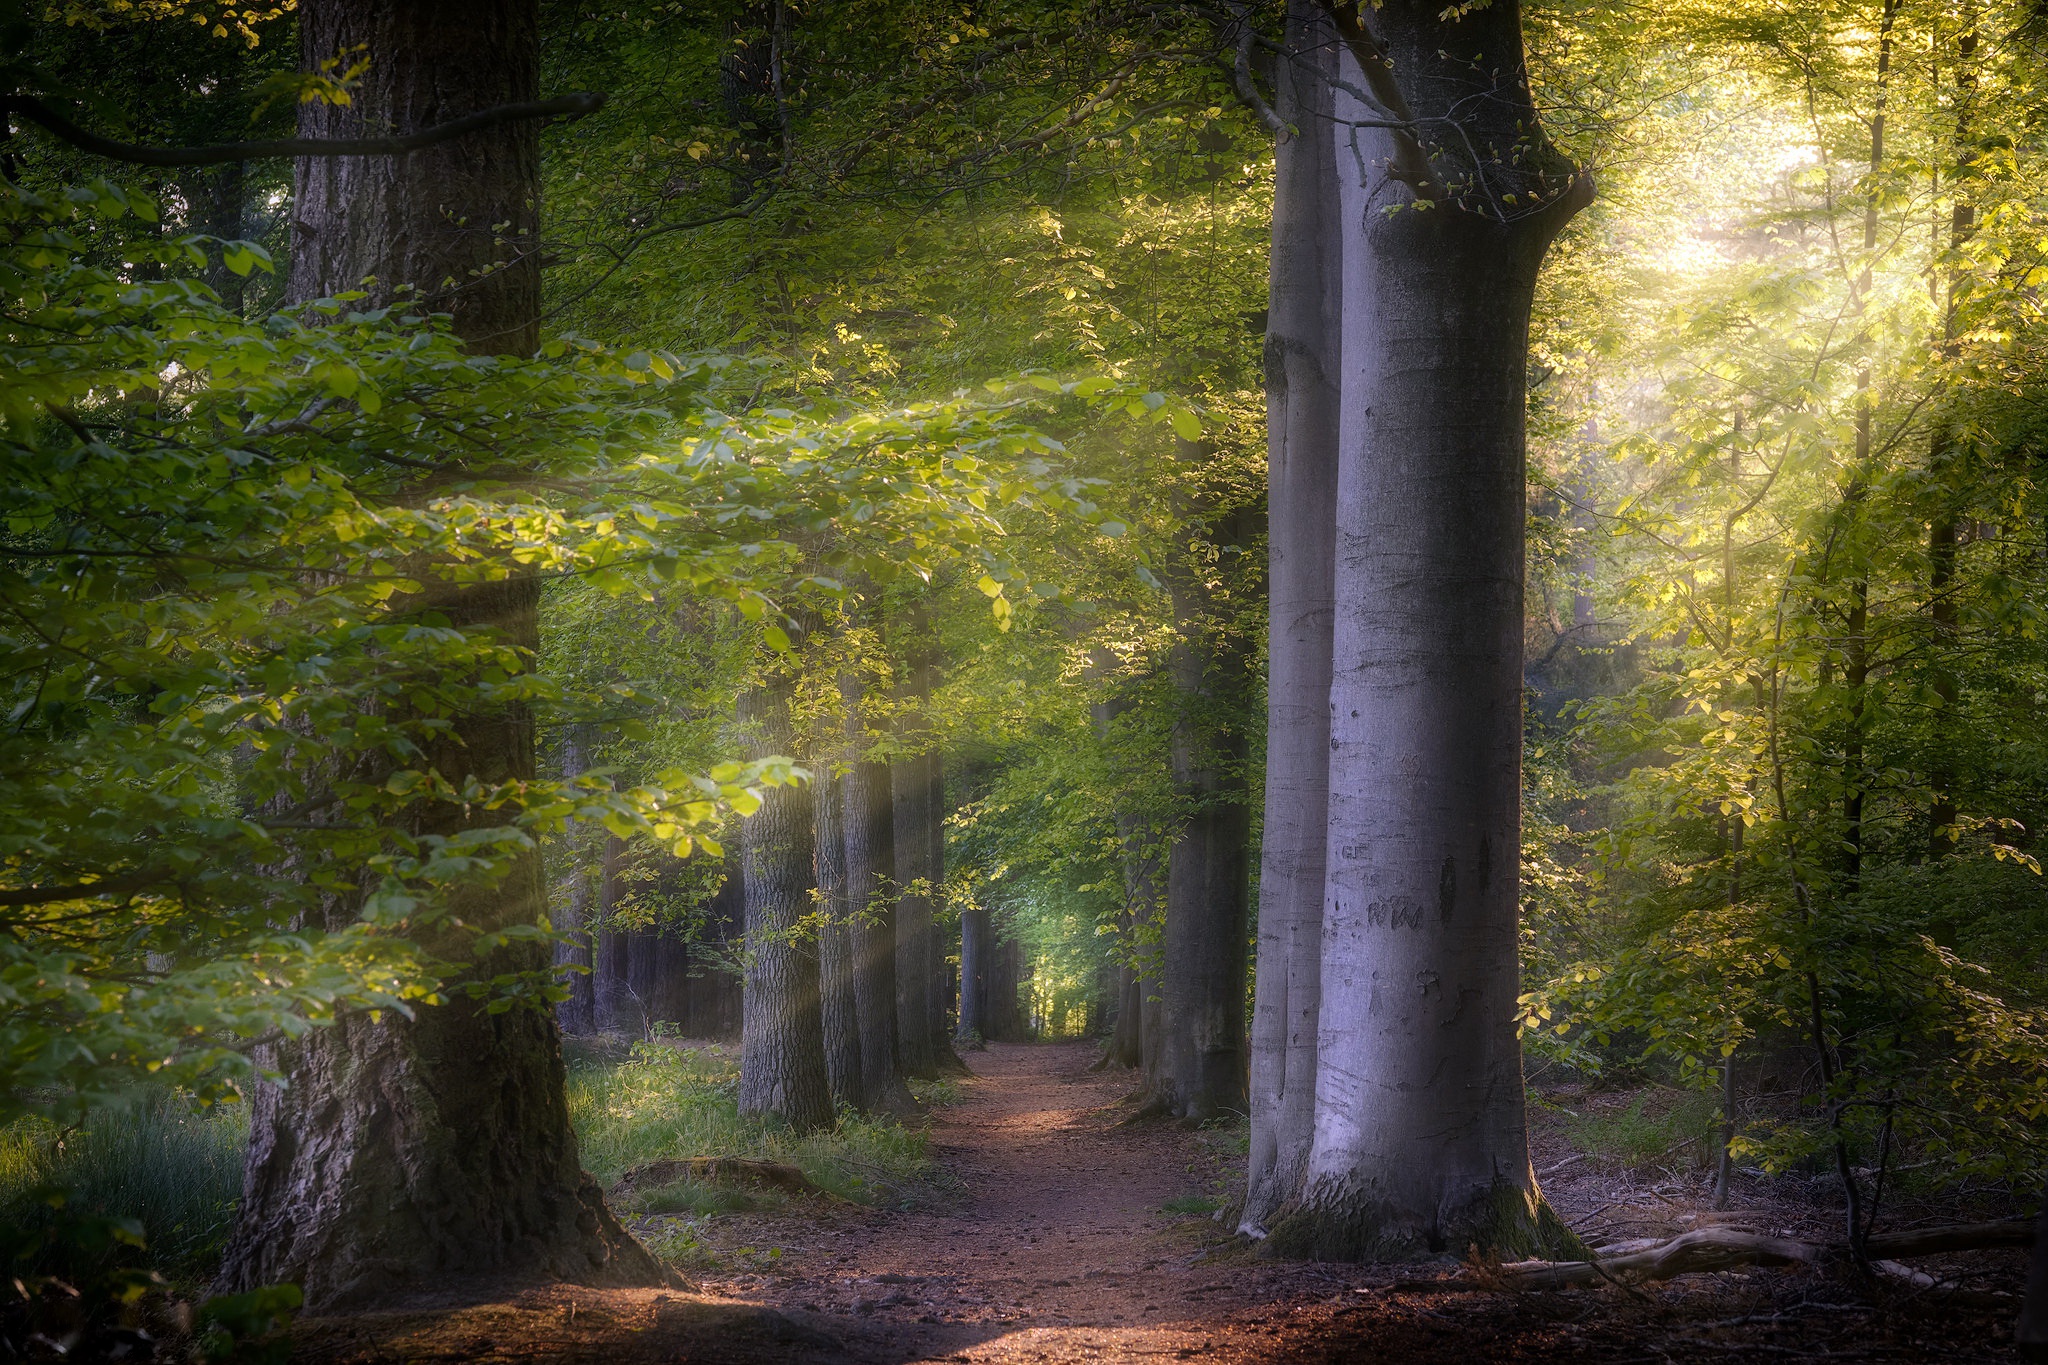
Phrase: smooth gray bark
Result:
[782,1051]
[1301,494]
[409,1153]
[1420,1142]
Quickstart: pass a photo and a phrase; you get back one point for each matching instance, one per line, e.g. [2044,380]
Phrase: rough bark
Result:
[840,1017]
[1125,1046]
[458,221]
[1301,495]
[870,839]
[407,1154]
[1420,1141]
[782,1053]
[1202,1062]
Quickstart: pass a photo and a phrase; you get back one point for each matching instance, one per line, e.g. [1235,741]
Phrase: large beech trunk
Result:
[407,1154]
[1420,1144]
[836,947]
[869,835]
[1201,1070]
[1301,495]
[782,1052]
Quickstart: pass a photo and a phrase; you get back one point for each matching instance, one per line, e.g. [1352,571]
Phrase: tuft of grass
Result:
[175,1171]
[1652,1128]
[666,1103]
[1190,1204]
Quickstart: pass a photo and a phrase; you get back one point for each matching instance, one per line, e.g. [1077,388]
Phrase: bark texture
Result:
[405,1154]
[782,1053]
[1420,1143]
[458,221]
[1301,495]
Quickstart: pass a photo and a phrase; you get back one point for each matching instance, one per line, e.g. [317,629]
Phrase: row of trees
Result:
[433,636]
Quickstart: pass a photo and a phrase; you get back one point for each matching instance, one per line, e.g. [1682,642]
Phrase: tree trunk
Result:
[1126,1047]
[916,937]
[1301,483]
[614,947]
[408,1152]
[1420,1142]
[1202,1064]
[782,1052]
[2031,1332]
[974,949]
[870,838]
[835,948]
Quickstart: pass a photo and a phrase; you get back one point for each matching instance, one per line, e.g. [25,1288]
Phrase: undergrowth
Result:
[1654,1128]
[174,1172]
[667,1103]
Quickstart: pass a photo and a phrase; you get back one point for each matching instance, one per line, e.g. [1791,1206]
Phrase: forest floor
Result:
[1059,1233]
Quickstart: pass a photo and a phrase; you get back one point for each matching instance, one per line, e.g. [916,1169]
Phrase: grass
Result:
[665,1103]
[180,1174]
[1653,1126]
[176,1172]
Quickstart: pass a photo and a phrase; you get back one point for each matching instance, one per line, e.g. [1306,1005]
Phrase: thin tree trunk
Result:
[403,1152]
[916,938]
[614,947]
[974,966]
[836,948]
[782,1051]
[1202,1065]
[1301,481]
[870,838]
[1420,1137]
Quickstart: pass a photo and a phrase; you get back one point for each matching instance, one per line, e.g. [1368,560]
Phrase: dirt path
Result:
[1055,1244]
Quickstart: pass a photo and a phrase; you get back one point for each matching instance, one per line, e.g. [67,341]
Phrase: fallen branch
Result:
[1722,1248]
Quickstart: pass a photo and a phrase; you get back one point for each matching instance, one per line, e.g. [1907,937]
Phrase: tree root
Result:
[1720,1248]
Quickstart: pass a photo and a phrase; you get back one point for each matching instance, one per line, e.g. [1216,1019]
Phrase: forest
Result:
[1023,680]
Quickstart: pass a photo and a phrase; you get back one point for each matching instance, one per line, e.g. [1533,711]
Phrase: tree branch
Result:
[220,152]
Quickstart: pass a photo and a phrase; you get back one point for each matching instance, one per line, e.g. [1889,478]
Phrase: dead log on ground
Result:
[1722,1248]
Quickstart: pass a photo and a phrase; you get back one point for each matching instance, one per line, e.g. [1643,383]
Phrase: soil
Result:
[1054,1238]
